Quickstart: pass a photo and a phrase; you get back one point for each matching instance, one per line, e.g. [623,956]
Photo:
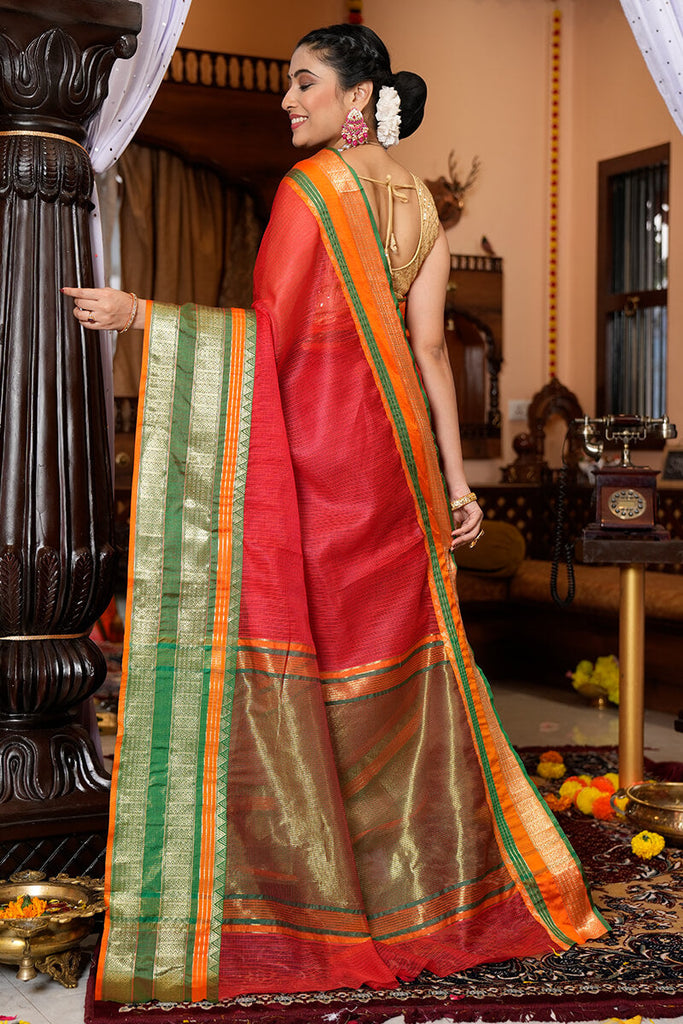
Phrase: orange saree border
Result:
[346,225]
[219,638]
[126,644]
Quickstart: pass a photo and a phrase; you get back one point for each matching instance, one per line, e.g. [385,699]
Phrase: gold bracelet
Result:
[467,499]
[133,313]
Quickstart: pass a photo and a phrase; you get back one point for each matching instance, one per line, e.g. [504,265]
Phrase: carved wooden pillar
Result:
[57,557]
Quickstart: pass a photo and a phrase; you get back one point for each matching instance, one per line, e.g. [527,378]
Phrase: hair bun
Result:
[412,90]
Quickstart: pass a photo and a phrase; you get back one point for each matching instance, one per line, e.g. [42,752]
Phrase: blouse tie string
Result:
[394,192]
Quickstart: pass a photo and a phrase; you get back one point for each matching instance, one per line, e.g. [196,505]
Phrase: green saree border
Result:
[172,617]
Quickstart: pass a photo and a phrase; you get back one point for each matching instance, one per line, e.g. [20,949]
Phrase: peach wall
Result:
[487,65]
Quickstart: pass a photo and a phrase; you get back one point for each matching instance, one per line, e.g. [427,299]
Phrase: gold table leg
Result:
[631,671]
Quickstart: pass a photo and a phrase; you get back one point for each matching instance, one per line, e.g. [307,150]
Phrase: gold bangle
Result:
[467,499]
[133,313]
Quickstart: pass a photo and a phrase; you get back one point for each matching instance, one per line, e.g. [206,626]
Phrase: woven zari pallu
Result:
[311,788]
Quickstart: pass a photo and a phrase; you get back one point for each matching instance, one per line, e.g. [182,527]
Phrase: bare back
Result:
[400,212]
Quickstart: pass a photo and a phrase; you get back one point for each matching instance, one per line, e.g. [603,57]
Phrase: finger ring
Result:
[91,319]
[480,534]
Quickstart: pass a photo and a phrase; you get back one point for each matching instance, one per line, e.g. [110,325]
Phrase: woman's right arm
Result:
[107,309]
[424,320]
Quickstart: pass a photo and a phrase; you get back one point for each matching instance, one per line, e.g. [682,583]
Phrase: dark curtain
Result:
[186,236]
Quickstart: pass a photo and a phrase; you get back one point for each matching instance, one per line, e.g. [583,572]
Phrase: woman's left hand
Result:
[467,522]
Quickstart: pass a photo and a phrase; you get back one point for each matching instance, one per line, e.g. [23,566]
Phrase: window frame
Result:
[608,302]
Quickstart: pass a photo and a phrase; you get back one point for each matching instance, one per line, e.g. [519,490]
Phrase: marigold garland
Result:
[590,796]
[595,797]
[554,190]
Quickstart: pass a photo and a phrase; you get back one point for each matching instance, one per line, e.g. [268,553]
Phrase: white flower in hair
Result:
[388,114]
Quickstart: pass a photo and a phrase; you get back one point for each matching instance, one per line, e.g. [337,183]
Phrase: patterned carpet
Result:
[636,969]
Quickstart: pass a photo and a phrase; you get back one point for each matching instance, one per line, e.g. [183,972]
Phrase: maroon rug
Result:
[636,969]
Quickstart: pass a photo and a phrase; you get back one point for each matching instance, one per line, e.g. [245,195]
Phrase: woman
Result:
[312,789]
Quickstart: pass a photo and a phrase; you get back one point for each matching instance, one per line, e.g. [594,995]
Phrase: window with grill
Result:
[633,245]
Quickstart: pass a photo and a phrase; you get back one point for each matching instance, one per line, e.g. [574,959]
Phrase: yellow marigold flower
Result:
[606,676]
[570,787]
[647,844]
[586,798]
[620,804]
[613,778]
[582,677]
[550,770]
[584,668]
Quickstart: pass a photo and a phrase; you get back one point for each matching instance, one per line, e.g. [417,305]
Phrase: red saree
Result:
[311,787]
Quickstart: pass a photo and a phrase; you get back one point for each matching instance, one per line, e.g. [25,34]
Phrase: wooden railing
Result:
[228,71]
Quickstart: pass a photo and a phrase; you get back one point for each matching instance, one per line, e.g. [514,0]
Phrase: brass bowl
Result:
[657,807]
[43,942]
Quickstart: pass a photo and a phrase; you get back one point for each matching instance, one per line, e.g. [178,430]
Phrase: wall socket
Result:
[518,408]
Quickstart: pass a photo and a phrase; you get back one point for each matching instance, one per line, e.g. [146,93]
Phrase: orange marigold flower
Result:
[23,907]
[558,803]
[603,784]
[552,755]
[582,780]
[602,808]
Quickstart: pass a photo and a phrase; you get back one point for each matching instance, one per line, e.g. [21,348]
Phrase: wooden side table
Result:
[631,553]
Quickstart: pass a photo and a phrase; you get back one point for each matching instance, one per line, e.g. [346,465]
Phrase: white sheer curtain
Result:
[132,86]
[658,29]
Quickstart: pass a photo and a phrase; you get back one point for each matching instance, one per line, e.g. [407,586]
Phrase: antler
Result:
[460,188]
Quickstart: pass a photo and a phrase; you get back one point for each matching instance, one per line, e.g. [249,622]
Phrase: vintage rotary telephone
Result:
[625,495]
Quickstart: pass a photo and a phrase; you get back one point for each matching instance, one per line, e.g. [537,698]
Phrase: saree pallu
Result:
[311,787]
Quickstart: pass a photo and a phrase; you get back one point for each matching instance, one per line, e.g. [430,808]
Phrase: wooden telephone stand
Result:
[626,534]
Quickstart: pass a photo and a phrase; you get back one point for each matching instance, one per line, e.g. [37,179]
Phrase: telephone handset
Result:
[625,495]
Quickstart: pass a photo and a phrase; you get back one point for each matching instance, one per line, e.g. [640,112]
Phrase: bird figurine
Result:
[487,247]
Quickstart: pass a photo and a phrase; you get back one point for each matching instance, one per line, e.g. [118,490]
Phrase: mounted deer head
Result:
[449,196]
